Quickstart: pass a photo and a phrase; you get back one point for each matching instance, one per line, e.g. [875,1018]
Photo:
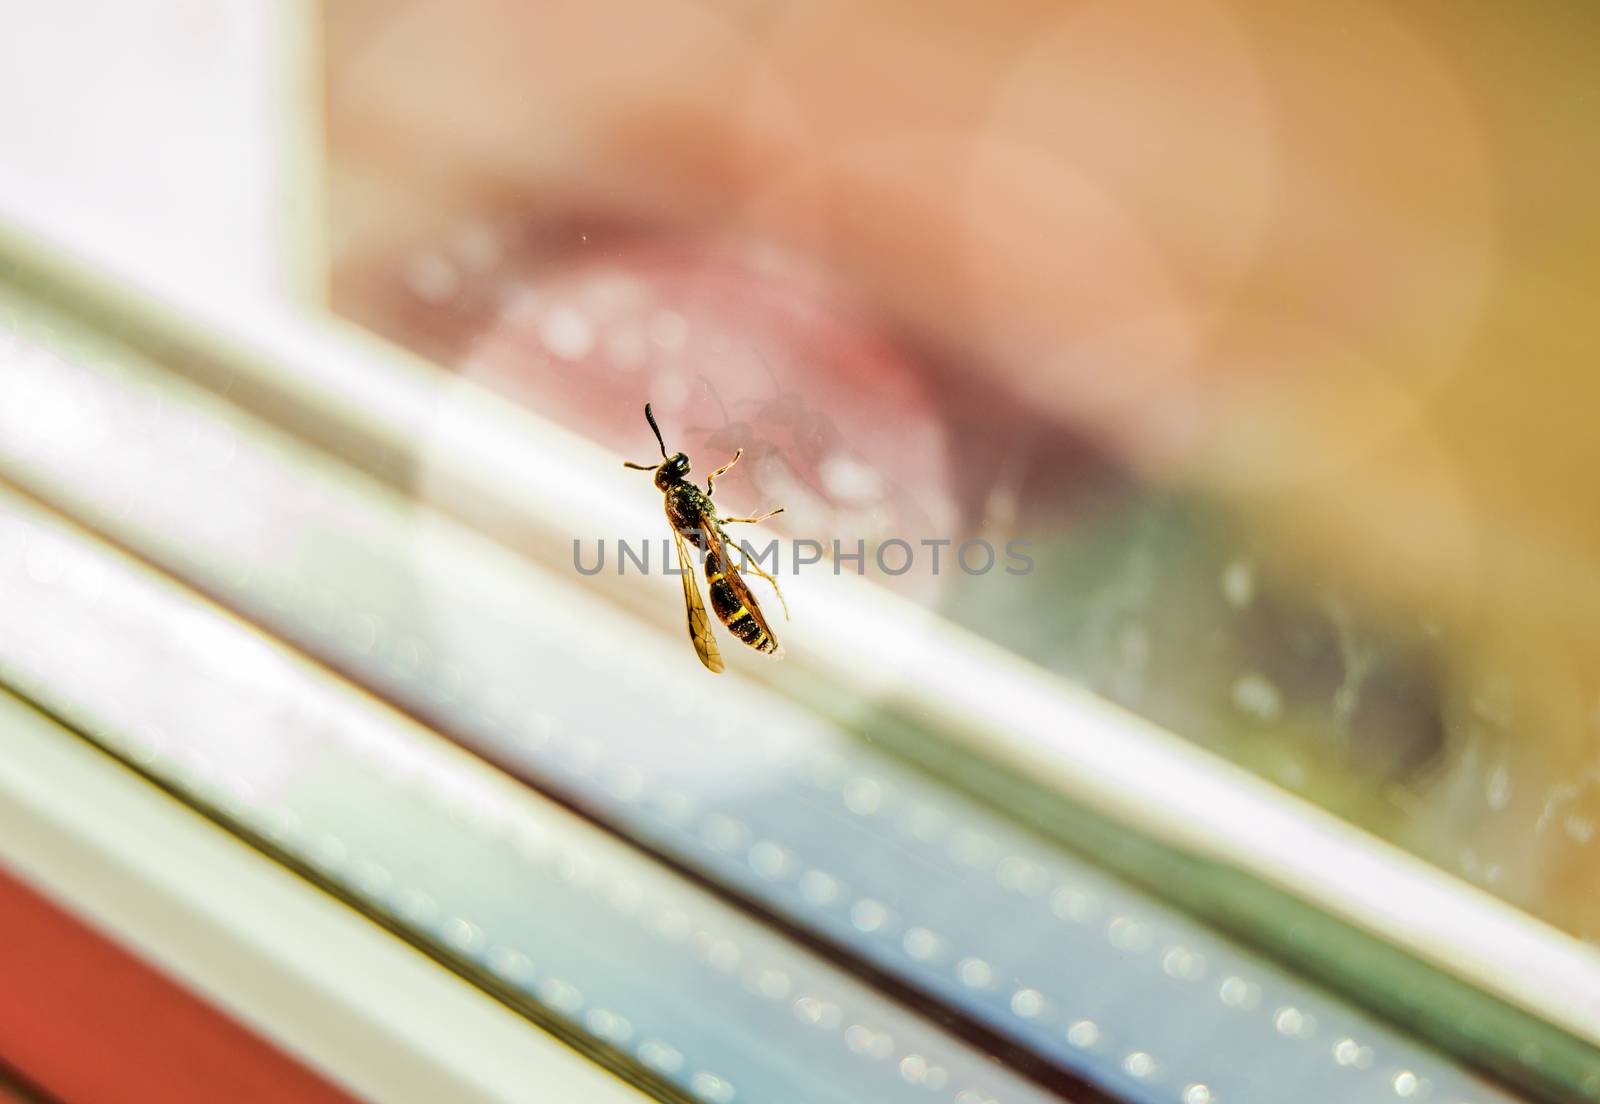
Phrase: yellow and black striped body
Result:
[735,606]
[693,515]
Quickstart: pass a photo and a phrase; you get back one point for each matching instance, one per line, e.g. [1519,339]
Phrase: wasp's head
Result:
[672,470]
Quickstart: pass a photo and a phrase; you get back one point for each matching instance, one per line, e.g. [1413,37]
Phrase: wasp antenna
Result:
[651,418]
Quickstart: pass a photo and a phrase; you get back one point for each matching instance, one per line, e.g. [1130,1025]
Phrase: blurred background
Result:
[1268,329]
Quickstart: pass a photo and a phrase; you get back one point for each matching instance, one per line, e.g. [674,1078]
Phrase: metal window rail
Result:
[297,967]
[1471,972]
[627,962]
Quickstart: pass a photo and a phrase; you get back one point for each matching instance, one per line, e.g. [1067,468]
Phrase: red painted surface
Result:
[86,1021]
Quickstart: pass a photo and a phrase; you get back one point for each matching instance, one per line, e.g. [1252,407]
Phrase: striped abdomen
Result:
[734,605]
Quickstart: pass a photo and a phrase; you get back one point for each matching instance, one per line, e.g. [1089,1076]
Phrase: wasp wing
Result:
[705,645]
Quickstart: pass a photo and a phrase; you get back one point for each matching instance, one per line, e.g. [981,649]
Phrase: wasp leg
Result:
[753,520]
[747,563]
[720,472]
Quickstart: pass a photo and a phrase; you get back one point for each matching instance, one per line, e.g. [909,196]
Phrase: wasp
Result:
[694,519]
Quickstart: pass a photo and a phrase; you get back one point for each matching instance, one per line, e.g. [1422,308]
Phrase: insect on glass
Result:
[694,520]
